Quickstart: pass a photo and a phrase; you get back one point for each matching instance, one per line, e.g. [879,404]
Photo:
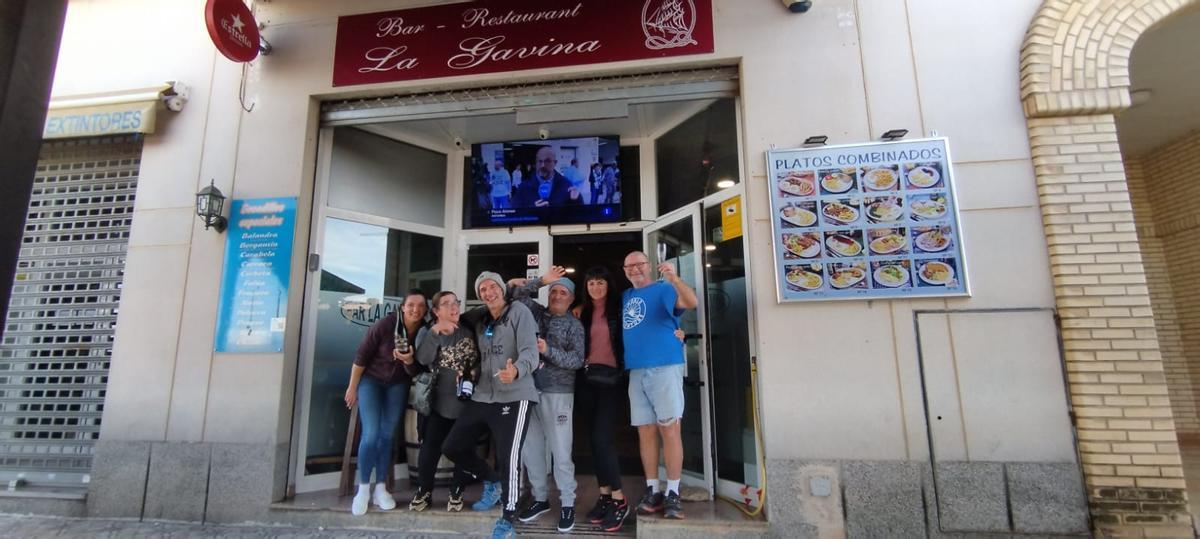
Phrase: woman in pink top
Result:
[598,402]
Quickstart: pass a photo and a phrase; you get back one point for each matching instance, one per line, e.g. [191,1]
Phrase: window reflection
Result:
[365,272]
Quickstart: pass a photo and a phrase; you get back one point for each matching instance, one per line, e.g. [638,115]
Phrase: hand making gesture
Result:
[508,374]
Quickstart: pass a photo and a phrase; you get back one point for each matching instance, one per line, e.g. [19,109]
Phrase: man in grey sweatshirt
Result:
[560,346]
[504,398]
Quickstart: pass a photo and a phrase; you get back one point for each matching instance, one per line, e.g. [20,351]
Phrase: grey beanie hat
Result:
[565,283]
[489,276]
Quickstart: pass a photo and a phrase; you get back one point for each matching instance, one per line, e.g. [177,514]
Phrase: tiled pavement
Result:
[22,526]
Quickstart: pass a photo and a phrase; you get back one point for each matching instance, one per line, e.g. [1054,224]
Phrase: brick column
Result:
[1126,432]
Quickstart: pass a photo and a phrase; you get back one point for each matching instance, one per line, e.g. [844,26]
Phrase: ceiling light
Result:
[710,247]
[726,183]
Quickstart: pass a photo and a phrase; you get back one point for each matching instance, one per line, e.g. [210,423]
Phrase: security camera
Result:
[458,142]
[797,6]
[174,103]
[543,133]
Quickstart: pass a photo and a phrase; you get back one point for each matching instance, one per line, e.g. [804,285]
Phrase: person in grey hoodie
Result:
[551,428]
[504,396]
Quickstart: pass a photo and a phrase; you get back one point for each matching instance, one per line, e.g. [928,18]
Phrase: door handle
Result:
[693,383]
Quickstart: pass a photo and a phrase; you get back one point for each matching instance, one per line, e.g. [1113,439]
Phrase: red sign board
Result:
[510,35]
[232,29]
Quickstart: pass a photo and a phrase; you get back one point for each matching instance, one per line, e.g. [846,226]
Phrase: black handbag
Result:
[601,375]
[424,387]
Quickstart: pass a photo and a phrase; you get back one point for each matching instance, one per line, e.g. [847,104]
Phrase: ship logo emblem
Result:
[668,23]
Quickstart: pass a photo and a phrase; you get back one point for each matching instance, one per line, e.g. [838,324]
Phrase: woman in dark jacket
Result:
[598,403]
[454,358]
[379,386]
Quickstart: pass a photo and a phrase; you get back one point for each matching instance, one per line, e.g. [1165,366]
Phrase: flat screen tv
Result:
[543,182]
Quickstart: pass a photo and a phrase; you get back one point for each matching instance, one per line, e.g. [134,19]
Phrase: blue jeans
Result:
[379,408]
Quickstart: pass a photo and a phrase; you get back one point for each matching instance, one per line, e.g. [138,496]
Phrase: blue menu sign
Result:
[254,283]
[866,221]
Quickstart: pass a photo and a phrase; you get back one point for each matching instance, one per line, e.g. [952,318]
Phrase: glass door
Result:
[519,254]
[727,296]
[672,238]
[365,271]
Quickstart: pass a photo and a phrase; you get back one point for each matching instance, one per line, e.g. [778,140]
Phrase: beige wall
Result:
[847,69]
[1164,193]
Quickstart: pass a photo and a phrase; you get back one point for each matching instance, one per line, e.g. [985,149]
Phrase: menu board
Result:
[251,317]
[866,221]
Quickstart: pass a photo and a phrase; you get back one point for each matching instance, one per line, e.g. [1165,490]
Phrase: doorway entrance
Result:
[676,169]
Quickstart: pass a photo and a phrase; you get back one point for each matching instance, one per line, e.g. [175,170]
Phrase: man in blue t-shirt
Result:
[650,315]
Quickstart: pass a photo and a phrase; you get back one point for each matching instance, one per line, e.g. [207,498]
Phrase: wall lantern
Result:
[893,134]
[209,202]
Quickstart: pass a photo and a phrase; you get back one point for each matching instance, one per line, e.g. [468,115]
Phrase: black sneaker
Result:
[652,502]
[455,503]
[596,515]
[420,501]
[566,519]
[615,518]
[536,509]
[671,506]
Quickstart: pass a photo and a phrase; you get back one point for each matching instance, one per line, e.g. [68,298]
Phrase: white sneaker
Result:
[382,498]
[359,506]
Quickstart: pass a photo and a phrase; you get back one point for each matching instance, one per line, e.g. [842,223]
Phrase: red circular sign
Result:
[232,29]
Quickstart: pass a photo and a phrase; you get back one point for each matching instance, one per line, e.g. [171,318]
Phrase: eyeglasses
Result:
[635,265]
[450,303]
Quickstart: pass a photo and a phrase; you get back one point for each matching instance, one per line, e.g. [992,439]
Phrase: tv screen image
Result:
[542,182]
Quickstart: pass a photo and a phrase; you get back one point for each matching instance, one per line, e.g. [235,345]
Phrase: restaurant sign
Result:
[511,35]
[866,221]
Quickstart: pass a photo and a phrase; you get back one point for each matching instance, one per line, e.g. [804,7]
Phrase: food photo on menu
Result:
[884,209]
[932,239]
[888,241]
[841,211]
[797,183]
[801,214]
[927,207]
[923,175]
[838,180]
[882,178]
[937,272]
[843,243]
[801,245]
[889,274]
[804,277]
[847,275]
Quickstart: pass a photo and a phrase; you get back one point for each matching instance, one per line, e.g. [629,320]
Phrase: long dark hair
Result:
[612,309]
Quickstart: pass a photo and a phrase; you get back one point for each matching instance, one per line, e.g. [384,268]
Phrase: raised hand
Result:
[667,270]
[555,273]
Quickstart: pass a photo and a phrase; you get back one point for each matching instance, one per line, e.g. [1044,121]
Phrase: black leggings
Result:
[597,408]
[507,422]
[436,430]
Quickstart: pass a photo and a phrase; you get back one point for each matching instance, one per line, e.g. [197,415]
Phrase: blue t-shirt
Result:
[649,319]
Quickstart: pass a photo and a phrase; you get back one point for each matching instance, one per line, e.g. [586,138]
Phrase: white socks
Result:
[653,485]
[673,486]
[358,507]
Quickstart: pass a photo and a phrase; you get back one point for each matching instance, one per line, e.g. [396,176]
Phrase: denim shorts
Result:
[656,394]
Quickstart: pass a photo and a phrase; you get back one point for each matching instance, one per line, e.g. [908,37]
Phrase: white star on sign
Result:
[237,23]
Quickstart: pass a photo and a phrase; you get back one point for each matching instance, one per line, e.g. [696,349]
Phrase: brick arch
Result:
[1074,79]
[1075,58]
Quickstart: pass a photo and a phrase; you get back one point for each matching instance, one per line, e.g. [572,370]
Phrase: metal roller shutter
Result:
[57,345]
[631,88]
